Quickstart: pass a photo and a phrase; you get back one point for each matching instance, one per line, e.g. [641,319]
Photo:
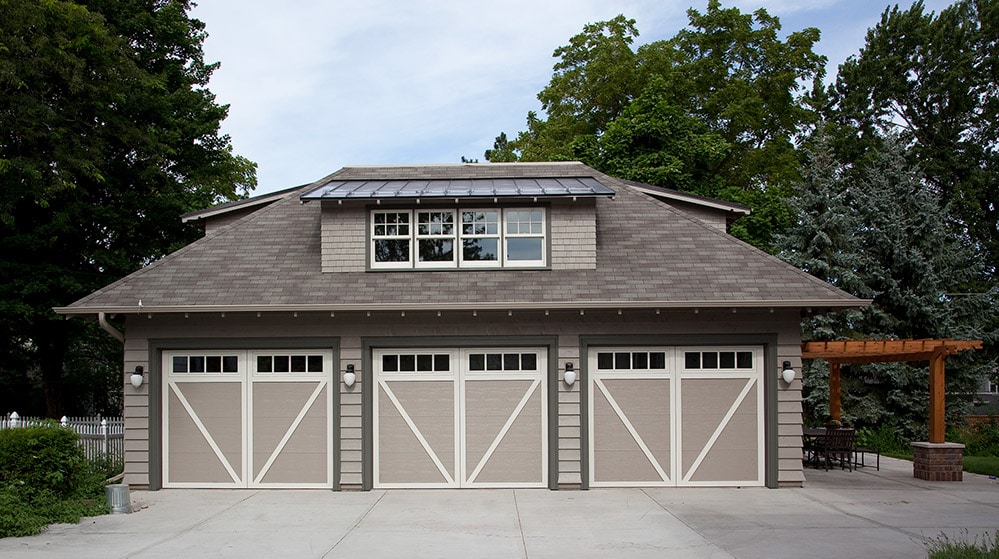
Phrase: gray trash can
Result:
[117,496]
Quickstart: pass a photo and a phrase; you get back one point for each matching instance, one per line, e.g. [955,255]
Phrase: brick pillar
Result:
[938,461]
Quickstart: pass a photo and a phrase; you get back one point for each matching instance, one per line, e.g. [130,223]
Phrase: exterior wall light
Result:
[787,373]
[570,375]
[349,377]
[136,378]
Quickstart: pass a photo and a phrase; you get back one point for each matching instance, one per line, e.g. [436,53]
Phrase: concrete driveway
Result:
[837,514]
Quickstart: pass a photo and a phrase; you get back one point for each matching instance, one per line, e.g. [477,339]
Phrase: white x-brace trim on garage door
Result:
[664,423]
[465,426]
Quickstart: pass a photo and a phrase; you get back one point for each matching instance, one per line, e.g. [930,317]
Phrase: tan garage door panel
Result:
[247,419]
[676,416]
[460,418]
[205,438]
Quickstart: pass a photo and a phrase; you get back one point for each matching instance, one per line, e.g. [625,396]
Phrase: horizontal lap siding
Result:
[136,413]
[352,328]
[350,414]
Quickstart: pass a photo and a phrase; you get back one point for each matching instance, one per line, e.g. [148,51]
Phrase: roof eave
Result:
[480,306]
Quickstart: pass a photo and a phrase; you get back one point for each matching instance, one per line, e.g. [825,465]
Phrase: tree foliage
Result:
[931,80]
[107,134]
[728,85]
[880,231]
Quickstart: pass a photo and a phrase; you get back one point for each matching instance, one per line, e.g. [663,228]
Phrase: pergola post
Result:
[834,391]
[937,389]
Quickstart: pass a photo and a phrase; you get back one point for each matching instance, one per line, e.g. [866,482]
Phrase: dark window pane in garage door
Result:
[640,360]
[197,364]
[298,363]
[605,360]
[213,364]
[315,363]
[692,359]
[528,362]
[390,363]
[494,362]
[264,364]
[622,360]
[727,359]
[180,364]
[477,362]
[745,359]
[657,360]
[281,364]
[230,364]
[424,362]
[407,363]
[710,359]
[442,362]
[511,361]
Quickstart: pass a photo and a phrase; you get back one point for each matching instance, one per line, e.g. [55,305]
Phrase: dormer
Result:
[459,217]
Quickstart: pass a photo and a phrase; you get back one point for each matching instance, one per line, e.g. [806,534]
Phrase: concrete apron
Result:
[837,513]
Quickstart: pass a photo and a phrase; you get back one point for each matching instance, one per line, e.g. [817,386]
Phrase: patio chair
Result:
[837,445]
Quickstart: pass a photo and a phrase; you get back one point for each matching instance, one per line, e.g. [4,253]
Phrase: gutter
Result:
[103,321]
[469,306]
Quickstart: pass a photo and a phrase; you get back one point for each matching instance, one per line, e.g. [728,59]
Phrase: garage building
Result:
[458,326]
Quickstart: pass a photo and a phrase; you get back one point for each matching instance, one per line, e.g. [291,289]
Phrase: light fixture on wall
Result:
[787,373]
[136,377]
[570,375]
[349,377]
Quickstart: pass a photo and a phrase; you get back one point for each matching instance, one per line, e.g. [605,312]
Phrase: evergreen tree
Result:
[881,232]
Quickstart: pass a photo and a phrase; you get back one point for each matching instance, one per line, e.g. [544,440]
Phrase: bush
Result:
[946,548]
[979,439]
[886,440]
[45,478]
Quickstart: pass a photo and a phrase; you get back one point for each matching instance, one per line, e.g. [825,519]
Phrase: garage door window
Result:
[416,363]
[204,364]
[507,362]
[718,360]
[290,363]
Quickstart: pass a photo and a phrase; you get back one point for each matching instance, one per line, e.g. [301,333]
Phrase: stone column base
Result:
[938,461]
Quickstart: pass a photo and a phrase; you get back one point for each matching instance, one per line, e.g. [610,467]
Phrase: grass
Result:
[986,465]
[985,547]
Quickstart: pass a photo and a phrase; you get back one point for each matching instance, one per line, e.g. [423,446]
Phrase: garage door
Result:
[460,418]
[247,419]
[676,416]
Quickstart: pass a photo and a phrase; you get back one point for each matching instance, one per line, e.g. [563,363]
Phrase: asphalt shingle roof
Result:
[648,253]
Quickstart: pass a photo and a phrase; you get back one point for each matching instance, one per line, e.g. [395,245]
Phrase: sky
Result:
[316,85]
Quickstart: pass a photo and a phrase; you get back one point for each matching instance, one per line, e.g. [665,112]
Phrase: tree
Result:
[931,80]
[727,79]
[880,231]
[107,135]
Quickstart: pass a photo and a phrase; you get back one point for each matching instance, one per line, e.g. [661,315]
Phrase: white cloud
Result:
[316,85]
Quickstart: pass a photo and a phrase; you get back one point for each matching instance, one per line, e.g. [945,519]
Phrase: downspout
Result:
[103,321]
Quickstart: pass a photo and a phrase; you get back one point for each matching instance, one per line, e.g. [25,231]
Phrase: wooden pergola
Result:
[882,351]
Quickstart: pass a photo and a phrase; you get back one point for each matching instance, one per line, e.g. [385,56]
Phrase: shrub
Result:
[979,439]
[45,478]
[885,439]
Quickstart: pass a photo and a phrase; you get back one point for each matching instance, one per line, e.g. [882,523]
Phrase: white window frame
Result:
[504,233]
[374,238]
[509,234]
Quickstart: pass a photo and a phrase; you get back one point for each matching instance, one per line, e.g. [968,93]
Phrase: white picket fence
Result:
[100,438]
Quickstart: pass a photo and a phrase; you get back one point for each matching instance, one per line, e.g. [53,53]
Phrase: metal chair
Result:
[836,445]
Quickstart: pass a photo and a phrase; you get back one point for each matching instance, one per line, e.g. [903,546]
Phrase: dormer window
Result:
[461,238]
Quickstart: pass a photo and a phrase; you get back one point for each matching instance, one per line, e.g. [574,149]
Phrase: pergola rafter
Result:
[882,351]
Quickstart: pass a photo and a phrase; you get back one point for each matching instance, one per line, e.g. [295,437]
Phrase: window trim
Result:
[458,238]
